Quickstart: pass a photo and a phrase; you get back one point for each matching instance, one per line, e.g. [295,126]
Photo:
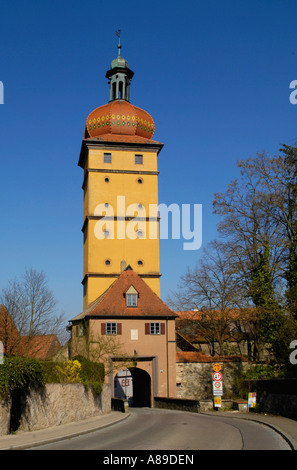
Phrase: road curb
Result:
[68,435]
[290,441]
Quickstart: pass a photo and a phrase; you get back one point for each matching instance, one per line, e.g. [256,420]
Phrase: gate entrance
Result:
[123,385]
[134,385]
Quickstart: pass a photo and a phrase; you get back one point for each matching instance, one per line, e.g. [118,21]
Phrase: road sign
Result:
[217,402]
[217,367]
[217,376]
[252,398]
[217,386]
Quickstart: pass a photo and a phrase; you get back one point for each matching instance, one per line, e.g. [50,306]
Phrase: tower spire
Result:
[119,75]
[118,33]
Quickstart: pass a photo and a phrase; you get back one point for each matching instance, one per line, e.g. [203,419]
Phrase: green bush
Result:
[19,372]
[91,374]
[51,372]
[263,372]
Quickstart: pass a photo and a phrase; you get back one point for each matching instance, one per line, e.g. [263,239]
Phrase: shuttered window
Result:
[111,328]
[155,328]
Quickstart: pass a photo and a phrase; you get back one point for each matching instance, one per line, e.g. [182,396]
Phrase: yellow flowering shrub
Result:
[71,371]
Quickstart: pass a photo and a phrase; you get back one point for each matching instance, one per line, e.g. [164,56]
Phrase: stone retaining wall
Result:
[194,379]
[274,396]
[53,405]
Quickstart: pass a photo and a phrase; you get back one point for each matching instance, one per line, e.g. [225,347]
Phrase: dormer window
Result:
[131,300]
[131,297]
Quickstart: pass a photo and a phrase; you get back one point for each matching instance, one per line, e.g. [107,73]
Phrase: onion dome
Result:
[119,116]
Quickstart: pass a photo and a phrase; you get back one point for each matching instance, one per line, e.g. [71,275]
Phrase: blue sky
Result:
[214,75]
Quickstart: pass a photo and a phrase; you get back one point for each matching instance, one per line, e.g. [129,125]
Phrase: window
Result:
[138,159]
[140,181]
[107,158]
[107,262]
[155,328]
[106,180]
[80,330]
[131,300]
[111,328]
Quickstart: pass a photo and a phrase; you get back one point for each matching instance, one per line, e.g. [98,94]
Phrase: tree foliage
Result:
[254,266]
[32,306]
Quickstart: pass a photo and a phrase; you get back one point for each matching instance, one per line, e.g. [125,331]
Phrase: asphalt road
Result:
[151,429]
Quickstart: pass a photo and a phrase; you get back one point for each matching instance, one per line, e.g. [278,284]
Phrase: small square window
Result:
[155,328]
[107,158]
[111,328]
[131,300]
[138,159]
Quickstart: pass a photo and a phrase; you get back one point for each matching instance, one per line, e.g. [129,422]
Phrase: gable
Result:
[113,302]
[131,290]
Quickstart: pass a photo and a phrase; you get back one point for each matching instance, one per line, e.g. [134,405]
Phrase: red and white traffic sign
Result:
[217,386]
[217,376]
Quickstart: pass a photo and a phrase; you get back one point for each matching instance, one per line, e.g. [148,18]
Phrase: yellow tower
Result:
[119,159]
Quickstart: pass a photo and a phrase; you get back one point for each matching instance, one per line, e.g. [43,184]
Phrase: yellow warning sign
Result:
[217,402]
[217,367]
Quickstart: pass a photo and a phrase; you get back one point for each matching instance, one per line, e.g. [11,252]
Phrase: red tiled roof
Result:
[9,334]
[112,303]
[39,346]
[189,315]
[189,356]
[205,315]
[124,138]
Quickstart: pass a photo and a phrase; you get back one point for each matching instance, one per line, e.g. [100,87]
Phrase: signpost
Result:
[217,385]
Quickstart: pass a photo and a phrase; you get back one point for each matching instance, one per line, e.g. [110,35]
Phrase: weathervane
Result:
[118,33]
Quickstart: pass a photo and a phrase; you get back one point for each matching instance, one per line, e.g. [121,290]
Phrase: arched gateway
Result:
[133,384]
